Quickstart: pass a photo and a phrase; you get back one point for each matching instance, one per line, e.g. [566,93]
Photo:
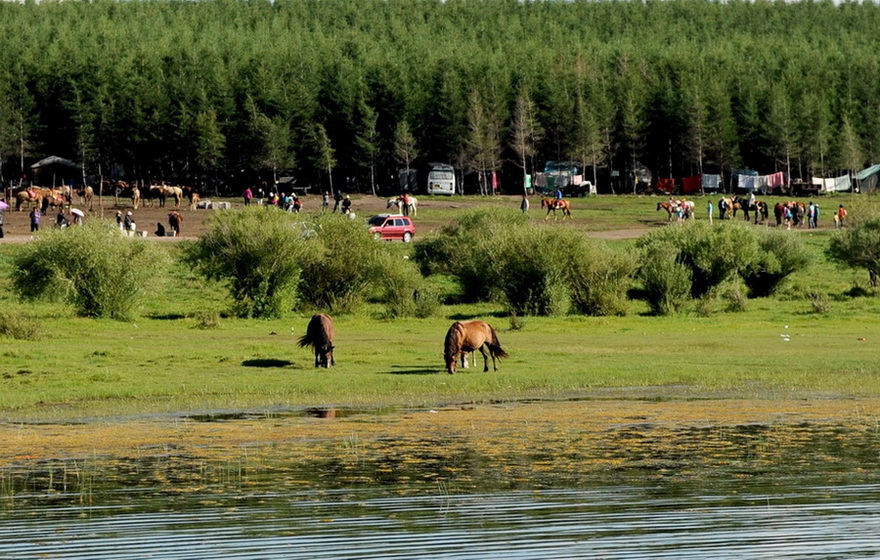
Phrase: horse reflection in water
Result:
[468,336]
[319,335]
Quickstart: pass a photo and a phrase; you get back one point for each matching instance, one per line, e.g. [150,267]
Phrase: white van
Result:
[441,179]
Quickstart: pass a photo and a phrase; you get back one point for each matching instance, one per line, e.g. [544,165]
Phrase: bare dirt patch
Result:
[17,225]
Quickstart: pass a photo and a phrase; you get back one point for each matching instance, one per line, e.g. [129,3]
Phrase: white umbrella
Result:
[77,212]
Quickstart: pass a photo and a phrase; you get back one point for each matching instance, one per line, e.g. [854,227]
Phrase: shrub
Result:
[780,255]
[527,271]
[207,320]
[467,249]
[859,247]
[96,269]
[714,256]
[533,270]
[19,326]
[257,252]
[600,278]
[343,265]
[667,281]
[735,298]
[404,291]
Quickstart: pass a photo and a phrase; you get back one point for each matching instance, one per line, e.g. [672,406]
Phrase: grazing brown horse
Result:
[552,205]
[469,336]
[319,334]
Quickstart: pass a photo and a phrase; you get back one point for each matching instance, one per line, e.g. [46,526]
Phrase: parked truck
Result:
[565,175]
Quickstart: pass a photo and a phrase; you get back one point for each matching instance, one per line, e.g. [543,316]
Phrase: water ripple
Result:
[610,523]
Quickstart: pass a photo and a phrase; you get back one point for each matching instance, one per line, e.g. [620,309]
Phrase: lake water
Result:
[814,493]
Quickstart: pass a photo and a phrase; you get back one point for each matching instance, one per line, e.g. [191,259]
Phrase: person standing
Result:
[841,217]
[2,233]
[524,205]
[248,194]
[346,205]
[711,210]
[325,201]
[35,217]
[811,216]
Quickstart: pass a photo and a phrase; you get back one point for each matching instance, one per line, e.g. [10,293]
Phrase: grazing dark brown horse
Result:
[552,205]
[319,335]
[469,336]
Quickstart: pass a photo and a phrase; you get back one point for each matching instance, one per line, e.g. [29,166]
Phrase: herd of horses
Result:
[756,210]
[45,197]
[462,339]
[158,194]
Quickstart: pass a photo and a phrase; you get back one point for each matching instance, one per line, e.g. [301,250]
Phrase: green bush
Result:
[781,254]
[404,291]
[343,266]
[532,269]
[93,267]
[527,271]
[257,252]
[859,247]
[712,254]
[467,250]
[18,325]
[667,281]
[600,278]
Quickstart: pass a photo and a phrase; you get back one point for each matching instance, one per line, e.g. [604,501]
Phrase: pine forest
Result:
[346,92]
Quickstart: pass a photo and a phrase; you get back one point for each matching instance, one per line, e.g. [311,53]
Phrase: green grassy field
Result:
[819,337]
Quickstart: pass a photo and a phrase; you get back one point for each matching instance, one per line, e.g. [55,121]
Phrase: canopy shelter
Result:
[868,179]
[55,167]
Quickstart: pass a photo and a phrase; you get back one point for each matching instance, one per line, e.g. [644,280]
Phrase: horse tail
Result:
[318,333]
[495,346]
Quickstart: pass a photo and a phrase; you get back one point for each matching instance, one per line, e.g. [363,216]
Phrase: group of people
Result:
[342,202]
[127,225]
[793,213]
[61,220]
[287,202]
[684,209]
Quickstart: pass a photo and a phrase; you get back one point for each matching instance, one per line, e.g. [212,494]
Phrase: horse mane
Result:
[454,335]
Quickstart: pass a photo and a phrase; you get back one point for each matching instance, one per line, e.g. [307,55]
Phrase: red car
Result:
[392,227]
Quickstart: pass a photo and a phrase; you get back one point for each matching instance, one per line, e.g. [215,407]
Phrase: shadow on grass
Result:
[167,316]
[266,363]
[409,370]
[468,316]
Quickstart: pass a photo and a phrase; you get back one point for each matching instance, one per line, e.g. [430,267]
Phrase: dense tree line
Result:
[220,92]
